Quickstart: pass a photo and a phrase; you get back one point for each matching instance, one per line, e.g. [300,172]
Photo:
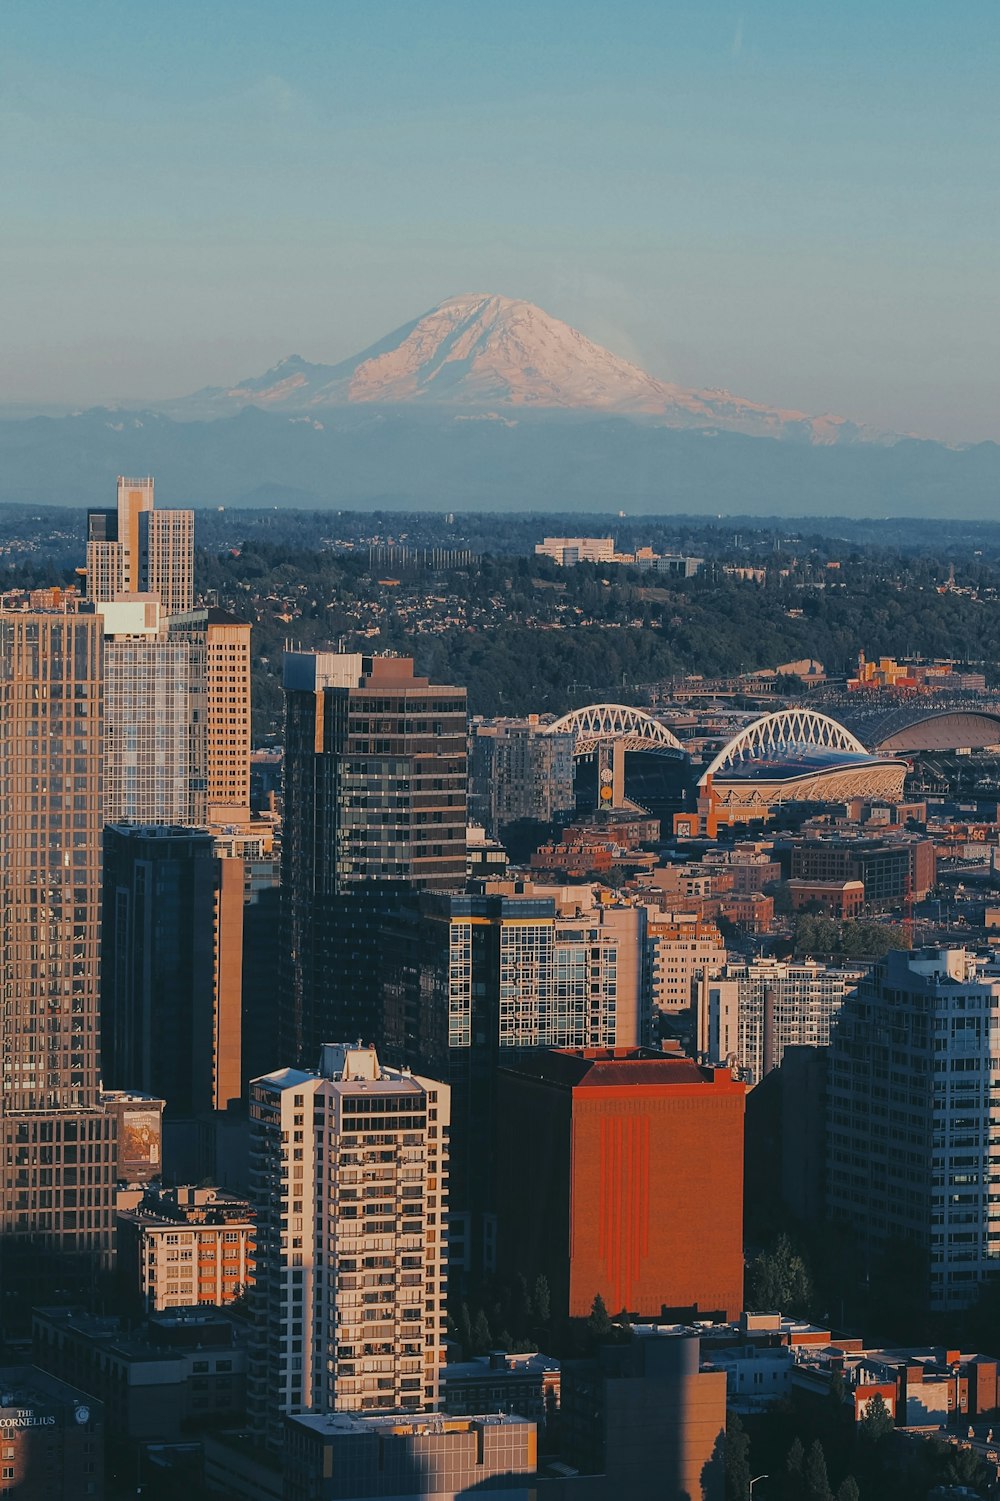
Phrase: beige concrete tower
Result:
[220,645]
[348,1176]
[137,549]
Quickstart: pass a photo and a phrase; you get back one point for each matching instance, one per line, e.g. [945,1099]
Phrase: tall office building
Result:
[172,962]
[58,1141]
[747,1014]
[136,549]
[375,805]
[220,646]
[154,722]
[493,977]
[349,1181]
[621,1173]
[176,715]
[912,1145]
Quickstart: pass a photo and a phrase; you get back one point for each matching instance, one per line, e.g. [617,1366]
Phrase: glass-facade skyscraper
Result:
[58,1142]
[375,807]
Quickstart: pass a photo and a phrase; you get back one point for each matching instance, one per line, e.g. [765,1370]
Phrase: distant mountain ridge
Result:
[481,351]
[369,457]
[487,403]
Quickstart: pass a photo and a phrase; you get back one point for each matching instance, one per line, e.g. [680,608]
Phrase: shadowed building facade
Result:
[620,1173]
[172,950]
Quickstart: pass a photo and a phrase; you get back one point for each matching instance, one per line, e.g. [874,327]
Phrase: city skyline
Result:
[500,861]
[786,205]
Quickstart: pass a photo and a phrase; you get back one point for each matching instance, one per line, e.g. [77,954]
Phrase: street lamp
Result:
[753,1483]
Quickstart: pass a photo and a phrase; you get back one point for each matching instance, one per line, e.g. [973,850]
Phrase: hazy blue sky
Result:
[795,200]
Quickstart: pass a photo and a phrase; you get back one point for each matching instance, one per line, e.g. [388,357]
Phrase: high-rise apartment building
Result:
[172,963]
[136,549]
[912,1145]
[519,773]
[166,558]
[374,798]
[349,1168]
[58,1141]
[747,1014]
[682,946]
[621,1173]
[220,646]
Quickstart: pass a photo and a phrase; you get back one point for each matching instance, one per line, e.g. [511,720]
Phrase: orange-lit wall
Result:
[656,1205]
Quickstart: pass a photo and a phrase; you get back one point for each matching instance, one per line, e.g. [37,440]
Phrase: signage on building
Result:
[140,1144]
[26,1417]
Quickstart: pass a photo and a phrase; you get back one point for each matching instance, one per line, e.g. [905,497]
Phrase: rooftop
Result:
[163,1336]
[532,1363]
[398,1425]
[619,1067]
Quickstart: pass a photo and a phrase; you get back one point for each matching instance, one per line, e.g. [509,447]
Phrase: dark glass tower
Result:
[375,808]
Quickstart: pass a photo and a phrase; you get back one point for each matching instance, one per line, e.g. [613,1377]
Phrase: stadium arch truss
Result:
[599,723]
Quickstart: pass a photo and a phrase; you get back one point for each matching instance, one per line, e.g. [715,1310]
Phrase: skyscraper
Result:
[176,715]
[518,772]
[375,803]
[135,549]
[155,727]
[220,647]
[349,1181]
[57,1140]
[172,949]
[912,1146]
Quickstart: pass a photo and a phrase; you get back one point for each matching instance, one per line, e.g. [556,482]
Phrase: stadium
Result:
[792,756]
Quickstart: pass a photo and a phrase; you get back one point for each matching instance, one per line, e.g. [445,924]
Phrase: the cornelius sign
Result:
[26,1417]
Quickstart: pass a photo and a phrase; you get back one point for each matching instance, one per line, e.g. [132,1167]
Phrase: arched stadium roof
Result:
[598,723]
[941,730]
[788,733]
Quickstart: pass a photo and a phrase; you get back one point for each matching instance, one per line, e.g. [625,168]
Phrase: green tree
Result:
[795,1459]
[737,1459]
[847,1490]
[542,1300]
[482,1339]
[779,1279]
[599,1323]
[814,1474]
[876,1423]
[464,1329]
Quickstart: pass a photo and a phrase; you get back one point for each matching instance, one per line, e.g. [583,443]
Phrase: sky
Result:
[796,201]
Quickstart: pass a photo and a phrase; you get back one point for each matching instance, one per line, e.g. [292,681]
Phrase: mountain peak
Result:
[480,350]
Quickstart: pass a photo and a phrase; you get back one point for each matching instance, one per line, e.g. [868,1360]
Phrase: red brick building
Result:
[843,899]
[620,1172]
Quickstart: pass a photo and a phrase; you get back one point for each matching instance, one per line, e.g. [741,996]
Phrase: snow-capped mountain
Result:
[480,352]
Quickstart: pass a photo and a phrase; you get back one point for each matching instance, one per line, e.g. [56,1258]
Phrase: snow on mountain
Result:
[480,351]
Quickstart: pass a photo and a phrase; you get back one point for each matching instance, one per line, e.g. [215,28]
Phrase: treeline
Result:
[811,1449]
[515,1316]
[850,941]
[537,638]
